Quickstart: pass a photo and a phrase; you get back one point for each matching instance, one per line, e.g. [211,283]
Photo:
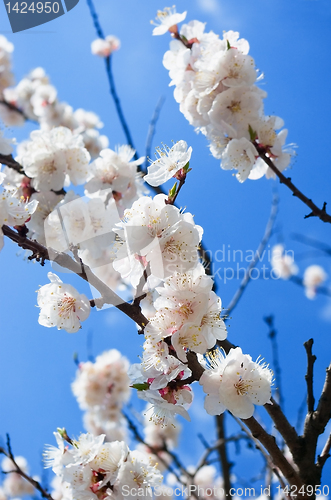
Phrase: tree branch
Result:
[12,107]
[315,211]
[322,458]
[258,445]
[315,424]
[210,449]
[11,163]
[41,254]
[278,459]
[223,454]
[311,358]
[285,429]
[19,471]
[307,240]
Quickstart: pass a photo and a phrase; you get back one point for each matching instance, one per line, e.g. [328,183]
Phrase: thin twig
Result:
[315,424]
[172,200]
[237,296]
[275,358]
[311,358]
[151,130]
[210,449]
[323,410]
[315,211]
[203,440]
[322,458]
[113,92]
[18,470]
[308,240]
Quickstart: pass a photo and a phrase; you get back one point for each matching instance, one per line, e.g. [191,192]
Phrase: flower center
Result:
[162,14]
[242,387]
[186,310]
[66,305]
[49,168]
[234,107]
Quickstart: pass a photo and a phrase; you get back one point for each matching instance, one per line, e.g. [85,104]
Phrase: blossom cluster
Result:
[183,312]
[102,388]
[126,239]
[35,98]
[111,184]
[215,86]
[54,159]
[56,156]
[93,470]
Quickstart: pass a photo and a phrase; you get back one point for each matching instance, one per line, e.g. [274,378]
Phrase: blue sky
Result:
[290,43]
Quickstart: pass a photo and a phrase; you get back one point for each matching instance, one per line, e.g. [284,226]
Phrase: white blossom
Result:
[313,277]
[170,161]
[236,383]
[61,305]
[104,383]
[57,457]
[240,154]
[157,435]
[168,402]
[165,401]
[167,19]
[86,448]
[282,264]
[103,47]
